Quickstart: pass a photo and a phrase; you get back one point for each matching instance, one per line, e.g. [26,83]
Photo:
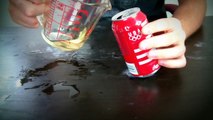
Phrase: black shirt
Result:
[154,9]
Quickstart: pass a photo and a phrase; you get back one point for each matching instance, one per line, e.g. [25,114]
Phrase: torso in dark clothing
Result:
[154,9]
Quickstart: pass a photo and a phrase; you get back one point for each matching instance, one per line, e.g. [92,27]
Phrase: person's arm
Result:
[191,14]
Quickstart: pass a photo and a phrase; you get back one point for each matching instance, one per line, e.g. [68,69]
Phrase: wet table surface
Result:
[38,82]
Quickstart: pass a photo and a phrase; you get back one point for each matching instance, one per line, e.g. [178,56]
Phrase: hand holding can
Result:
[127,27]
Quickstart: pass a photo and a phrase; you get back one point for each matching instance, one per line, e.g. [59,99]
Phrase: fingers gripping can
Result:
[127,27]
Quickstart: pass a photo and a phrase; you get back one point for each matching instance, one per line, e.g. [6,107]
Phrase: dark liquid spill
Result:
[38,71]
[74,91]
[37,86]
[81,71]
[47,87]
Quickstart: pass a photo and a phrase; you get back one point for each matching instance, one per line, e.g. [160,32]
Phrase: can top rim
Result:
[125,14]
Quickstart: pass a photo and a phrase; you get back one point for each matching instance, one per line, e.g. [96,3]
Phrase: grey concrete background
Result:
[5,19]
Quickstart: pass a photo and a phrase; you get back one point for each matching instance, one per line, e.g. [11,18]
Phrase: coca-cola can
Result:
[127,27]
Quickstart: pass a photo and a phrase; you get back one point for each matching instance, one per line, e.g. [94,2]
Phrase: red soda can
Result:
[127,27]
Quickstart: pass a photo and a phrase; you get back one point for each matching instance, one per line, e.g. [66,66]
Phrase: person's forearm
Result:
[191,14]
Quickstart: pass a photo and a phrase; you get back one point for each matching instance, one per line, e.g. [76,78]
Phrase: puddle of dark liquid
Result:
[41,71]
[73,90]
[37,86]
[48,87]
[82,69]
[49,90]
[38,71]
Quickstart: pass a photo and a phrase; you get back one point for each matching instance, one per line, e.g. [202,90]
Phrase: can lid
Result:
[125,14]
